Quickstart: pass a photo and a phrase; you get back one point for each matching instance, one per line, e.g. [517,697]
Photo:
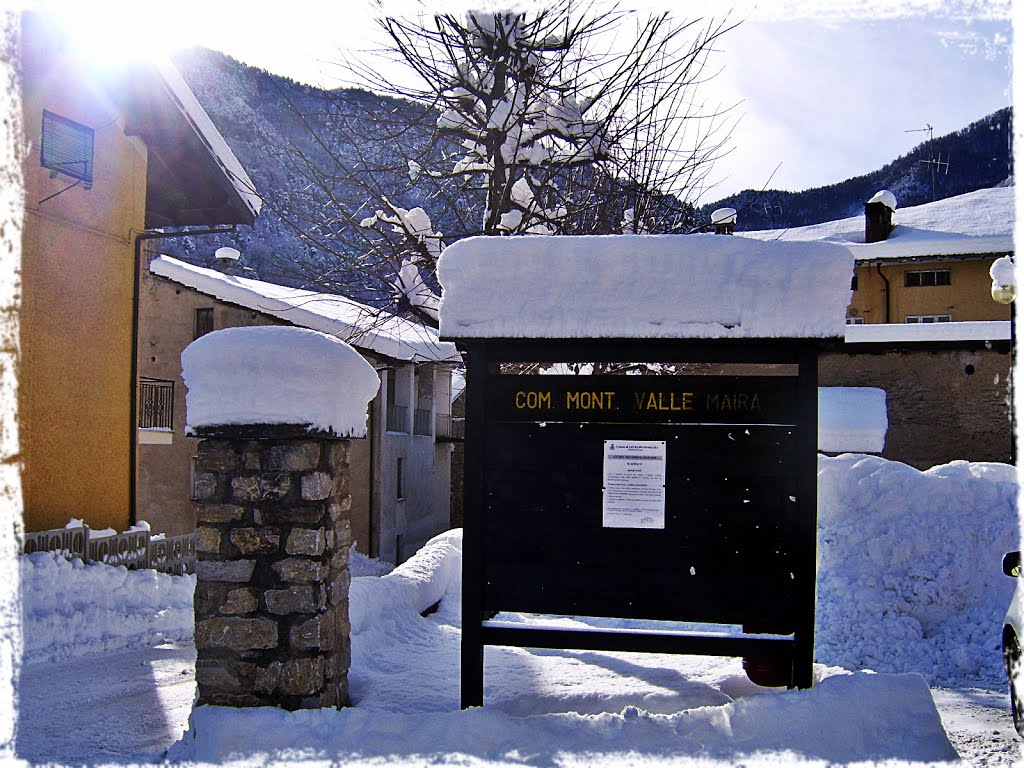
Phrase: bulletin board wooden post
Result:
[564,514]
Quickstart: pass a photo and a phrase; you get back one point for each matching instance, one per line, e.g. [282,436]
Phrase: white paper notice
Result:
[634,484]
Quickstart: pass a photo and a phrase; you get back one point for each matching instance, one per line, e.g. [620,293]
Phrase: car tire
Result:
[1015,675]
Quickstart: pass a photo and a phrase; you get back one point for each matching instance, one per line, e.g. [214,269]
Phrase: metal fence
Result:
[448,427]
[135,549]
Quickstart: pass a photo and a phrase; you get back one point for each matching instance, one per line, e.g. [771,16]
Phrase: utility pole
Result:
[933,163]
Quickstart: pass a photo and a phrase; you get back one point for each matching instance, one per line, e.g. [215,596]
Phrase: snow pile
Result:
[643,286]
[844,719]
[70,608]
[413,587]
[276,375]
[851,419]
[909,582]
[909,572]
[361,565]
[551,707]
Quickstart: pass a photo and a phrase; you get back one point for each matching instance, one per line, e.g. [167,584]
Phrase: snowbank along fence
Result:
[133,549]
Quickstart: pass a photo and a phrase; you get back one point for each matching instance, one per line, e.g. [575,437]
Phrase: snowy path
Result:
[132,705]
[126,706]
[977,721]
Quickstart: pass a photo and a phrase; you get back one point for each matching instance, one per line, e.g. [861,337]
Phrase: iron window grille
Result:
[67,148]
[156,404]
[926,277]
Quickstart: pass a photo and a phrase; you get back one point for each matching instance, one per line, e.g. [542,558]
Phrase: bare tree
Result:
[562,119]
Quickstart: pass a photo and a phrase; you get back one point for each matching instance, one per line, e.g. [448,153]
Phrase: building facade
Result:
[400,473]
[100,143]
[923,326]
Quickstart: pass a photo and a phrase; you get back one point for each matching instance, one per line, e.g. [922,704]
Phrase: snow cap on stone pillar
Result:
[269,375]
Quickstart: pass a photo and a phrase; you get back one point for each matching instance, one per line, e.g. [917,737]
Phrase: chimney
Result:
[227,258]
[878,213]
[724,220]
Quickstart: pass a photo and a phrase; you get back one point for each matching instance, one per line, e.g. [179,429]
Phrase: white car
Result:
[1012,634]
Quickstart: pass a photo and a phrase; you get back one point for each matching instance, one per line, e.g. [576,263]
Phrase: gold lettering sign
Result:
[684,400]
[533,401]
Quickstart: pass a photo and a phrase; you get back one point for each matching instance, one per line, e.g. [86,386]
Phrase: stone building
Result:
[400,474]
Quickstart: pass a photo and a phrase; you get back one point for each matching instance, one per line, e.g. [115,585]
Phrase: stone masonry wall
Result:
[271,603]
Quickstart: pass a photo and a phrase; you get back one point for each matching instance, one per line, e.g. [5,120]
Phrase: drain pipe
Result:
[133,421]
[878,267]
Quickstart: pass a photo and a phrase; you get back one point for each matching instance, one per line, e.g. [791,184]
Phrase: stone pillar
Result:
[272,541]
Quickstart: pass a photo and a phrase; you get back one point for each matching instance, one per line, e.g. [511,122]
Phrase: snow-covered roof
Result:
[193,111]
[978,222]
[356,323]
[643,286]
[978,330]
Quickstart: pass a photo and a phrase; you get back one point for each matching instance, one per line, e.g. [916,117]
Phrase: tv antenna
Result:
[934,164]
[769,211]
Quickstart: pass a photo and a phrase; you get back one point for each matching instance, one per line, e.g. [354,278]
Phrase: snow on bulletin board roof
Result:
[356,323]
[643,286]
[979,222]
[270,374]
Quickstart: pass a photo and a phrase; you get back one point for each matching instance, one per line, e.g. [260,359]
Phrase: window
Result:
[855,321]
[399,479]
[156,404]
[853,283]
[929,319]
[66,148]
[204,321]
[926,277]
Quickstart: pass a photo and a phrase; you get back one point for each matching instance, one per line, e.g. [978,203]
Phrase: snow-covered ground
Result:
[910,587]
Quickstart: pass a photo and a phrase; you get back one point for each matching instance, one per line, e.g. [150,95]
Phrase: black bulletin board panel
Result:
[732,539]
[724,555]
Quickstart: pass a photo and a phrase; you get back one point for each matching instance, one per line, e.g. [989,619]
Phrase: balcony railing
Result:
[156,404]
[449,428]
[421,422]
[398,418]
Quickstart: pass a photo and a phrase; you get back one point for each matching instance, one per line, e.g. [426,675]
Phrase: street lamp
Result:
[1004,290]
[1004,285]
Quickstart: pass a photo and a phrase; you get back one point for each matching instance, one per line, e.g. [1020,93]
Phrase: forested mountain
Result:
[978,156]
[267,121]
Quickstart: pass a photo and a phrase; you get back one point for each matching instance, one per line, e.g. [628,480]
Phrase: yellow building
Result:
[930,265]
[111,154]
[922,324]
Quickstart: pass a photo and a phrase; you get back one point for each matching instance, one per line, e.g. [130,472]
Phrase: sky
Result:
[822,91]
